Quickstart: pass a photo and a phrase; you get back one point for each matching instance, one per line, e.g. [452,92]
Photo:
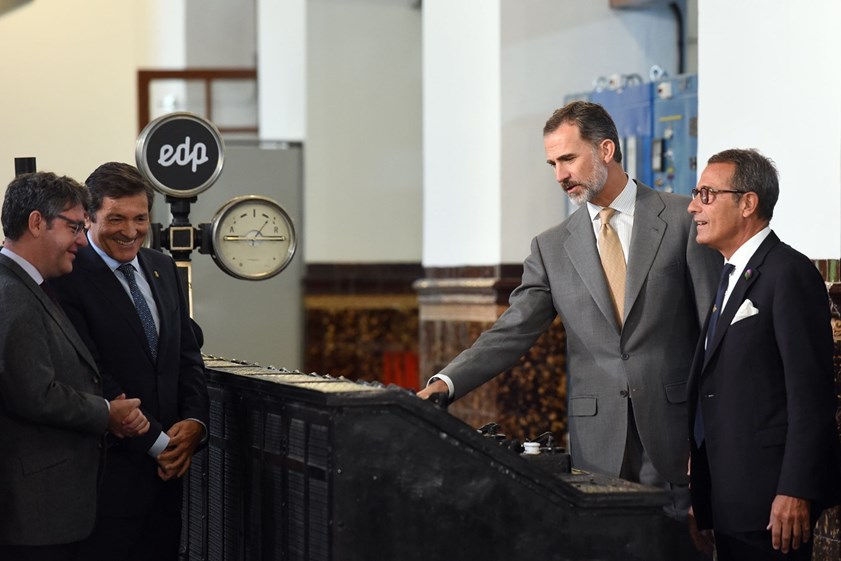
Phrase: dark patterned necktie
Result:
[719,302]
[719,299]
[146,319]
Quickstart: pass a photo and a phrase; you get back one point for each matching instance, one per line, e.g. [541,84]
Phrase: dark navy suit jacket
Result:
[767,395]
[171,388]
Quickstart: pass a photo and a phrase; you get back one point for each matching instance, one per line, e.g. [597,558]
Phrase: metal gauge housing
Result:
[253,238]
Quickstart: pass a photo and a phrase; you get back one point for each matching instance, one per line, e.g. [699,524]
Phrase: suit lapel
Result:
[67,328]
[740,290]
[52,309]
[648,232]
[584,256]
[109,288]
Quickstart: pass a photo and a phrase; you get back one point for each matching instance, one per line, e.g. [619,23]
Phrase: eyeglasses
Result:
[78,226]
[708,194]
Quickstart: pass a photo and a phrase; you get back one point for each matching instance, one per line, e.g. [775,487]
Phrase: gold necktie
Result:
[613,262]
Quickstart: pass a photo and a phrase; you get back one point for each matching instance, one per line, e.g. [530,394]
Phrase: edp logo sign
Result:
[181,154]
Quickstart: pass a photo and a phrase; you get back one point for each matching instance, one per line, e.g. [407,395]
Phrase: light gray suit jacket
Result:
[52,418]
[670,284]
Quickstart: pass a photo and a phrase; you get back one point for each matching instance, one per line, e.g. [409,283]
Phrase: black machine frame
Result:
[308,467]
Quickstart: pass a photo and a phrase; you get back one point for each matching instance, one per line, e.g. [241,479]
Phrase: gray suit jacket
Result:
[52,418]
[670,283]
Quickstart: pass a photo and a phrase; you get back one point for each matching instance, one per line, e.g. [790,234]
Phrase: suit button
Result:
[623,393]
[625,356]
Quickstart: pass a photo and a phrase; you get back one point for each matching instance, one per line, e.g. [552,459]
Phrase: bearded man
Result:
[632,287]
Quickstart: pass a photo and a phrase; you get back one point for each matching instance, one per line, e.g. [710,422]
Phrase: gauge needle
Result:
[253,238]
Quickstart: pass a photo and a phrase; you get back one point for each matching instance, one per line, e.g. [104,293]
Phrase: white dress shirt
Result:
[740,260]
[622,220]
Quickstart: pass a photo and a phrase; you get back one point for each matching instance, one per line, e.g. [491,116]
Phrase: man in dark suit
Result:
[129,307]
[52,414]
[765,454]
[631,286]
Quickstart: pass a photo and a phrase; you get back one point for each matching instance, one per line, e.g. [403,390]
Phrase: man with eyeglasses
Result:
[765,455]
[52,414]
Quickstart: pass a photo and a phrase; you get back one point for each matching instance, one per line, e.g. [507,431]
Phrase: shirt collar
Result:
[624,203]
[742,255]
[112,263]
[24,264]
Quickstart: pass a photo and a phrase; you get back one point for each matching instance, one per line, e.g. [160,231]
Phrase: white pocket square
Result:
[746,310]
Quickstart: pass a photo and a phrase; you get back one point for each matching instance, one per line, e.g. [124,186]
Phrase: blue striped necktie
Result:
[146,319]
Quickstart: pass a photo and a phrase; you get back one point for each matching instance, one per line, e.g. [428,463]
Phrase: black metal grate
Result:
[260,491]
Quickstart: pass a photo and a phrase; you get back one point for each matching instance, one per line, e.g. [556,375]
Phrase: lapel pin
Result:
[748,274]
[156,274]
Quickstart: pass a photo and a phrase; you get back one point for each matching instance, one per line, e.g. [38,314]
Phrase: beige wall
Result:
[68,80]
[67,84]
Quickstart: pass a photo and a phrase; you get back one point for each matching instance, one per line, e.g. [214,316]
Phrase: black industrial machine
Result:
[309,467]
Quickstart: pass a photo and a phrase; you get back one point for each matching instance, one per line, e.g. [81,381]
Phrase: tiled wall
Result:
[362,322]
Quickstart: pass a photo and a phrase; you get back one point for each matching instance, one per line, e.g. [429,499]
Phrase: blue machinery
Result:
[658,128]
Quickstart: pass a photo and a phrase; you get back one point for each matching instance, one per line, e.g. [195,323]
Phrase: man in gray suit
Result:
[52,415]
[631,287]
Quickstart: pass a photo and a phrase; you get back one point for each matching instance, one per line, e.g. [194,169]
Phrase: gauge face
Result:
[253,238]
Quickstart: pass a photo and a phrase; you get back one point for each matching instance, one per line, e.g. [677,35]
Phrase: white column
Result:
[281,69]
[768,80]
[462,132]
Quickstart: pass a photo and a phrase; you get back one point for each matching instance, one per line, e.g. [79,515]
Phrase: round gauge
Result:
[252,238]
